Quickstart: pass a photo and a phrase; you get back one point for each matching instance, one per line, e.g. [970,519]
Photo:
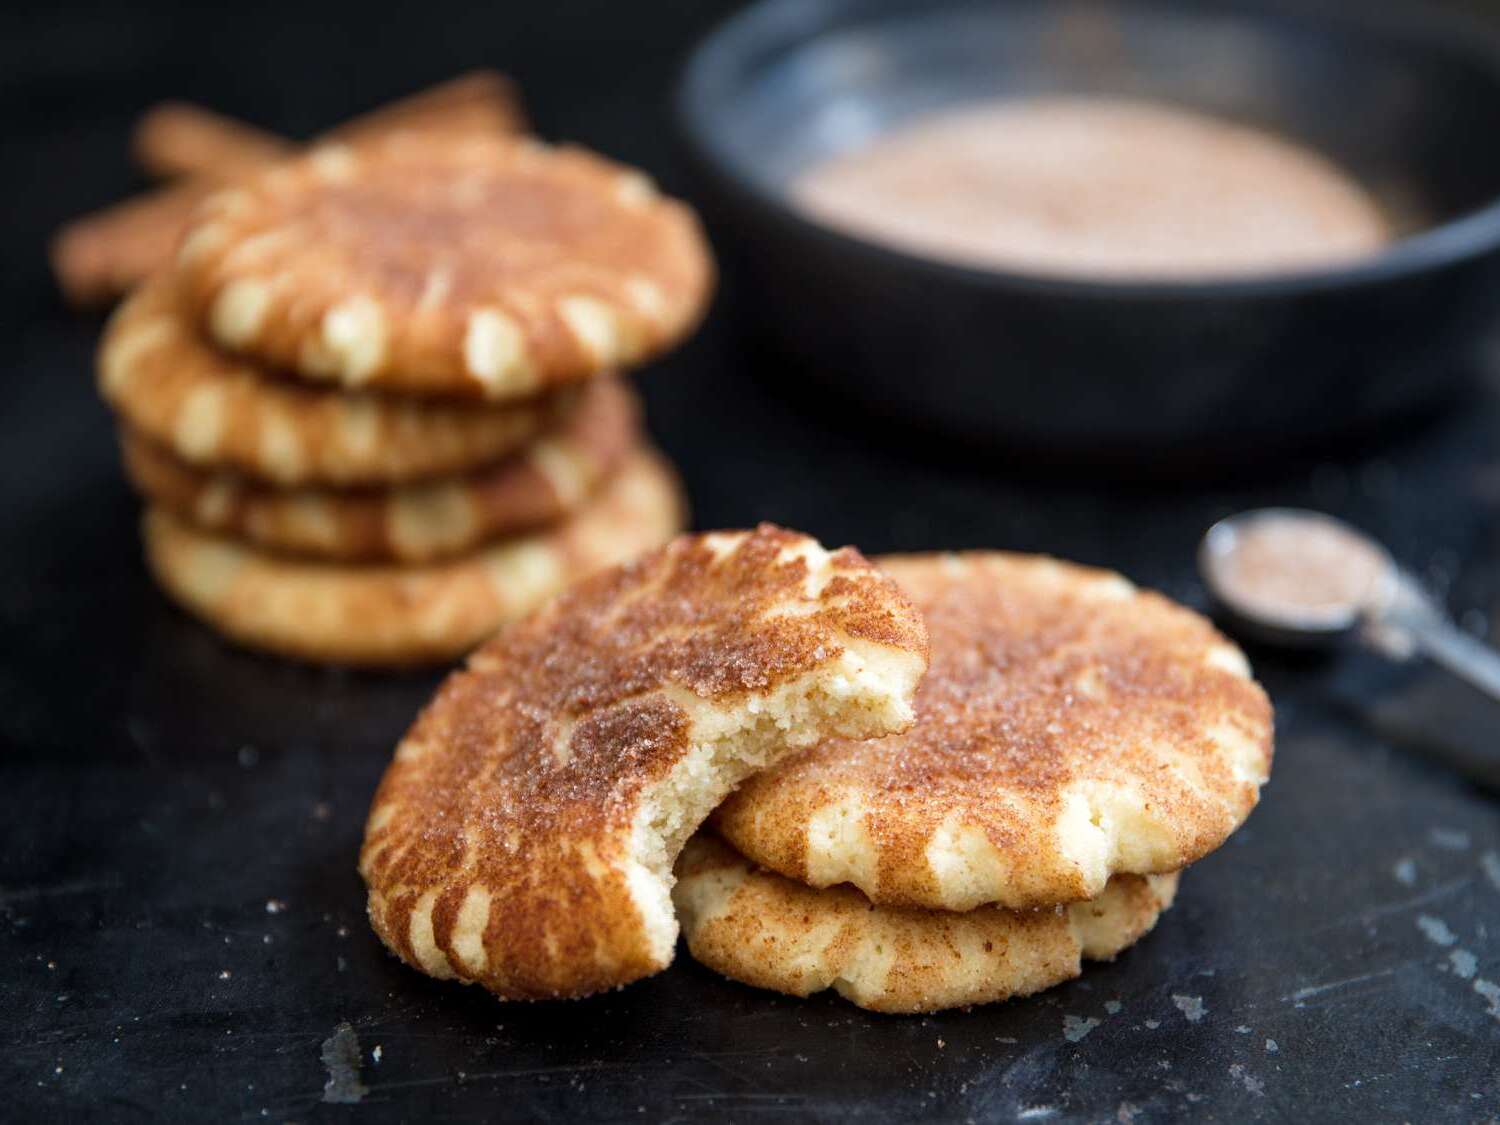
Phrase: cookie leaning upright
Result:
[524,836]
[487,267]
[1072,727]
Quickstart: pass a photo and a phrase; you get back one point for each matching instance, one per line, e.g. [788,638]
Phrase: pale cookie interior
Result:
[864,693]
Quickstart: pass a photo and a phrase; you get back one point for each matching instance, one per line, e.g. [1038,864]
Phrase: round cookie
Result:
[212,410]
[549,479]
[490,267]
[524,836]
[395,615]
[762,929]
[1071,728]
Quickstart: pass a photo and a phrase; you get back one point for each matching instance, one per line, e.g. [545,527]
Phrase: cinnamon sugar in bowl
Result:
[1249,353]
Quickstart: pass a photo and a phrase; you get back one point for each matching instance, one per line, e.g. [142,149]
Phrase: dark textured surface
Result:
[181,925]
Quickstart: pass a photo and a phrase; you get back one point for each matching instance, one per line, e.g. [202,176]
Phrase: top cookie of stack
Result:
[484,267]
[389,365]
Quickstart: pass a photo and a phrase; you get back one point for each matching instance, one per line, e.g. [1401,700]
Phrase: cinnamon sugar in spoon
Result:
[1290,576]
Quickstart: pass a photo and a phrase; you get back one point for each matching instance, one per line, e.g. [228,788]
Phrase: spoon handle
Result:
[1462,654]
[1411,622]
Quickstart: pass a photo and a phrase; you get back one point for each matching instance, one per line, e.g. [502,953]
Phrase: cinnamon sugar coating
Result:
[1071,728]
[389,614]
[767,931]
[550,479]
[523,837]
[216,411]
[489,267]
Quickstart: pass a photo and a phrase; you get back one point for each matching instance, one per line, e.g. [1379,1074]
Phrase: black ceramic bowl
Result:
[1139,371]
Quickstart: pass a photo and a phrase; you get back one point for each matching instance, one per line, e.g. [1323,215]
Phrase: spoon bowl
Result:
[1294,577]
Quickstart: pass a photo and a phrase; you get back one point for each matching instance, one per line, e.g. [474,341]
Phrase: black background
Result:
[181,925]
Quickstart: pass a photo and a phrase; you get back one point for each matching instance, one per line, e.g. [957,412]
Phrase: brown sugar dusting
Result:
[1044,677]
[525,773]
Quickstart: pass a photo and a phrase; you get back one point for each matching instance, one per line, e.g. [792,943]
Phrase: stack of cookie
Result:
[915,842]
[1077,743]
[375,407]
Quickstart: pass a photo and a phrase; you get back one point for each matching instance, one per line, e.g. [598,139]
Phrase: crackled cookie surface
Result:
[524,836]
[486,267]
[1072,727]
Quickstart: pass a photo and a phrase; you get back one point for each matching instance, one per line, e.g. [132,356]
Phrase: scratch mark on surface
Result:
[471,1077]
[1450,839]
[1442,890]
[1318,989]
[57,890]
[1365,917]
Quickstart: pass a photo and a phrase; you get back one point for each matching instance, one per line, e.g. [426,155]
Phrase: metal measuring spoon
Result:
[1290,576]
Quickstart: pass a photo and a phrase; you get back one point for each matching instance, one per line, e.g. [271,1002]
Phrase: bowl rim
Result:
[1452,242]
